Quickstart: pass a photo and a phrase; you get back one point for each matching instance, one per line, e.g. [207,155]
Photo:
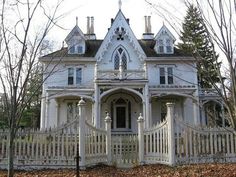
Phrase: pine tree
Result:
[196,42]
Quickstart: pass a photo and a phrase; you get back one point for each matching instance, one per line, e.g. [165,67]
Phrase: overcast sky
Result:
[104,10]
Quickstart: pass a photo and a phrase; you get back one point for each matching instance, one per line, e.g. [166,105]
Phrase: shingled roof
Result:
[92,47]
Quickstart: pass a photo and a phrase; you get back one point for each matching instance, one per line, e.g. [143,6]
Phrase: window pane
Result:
[70,76]
[116,61]
[162,76]
[72,49]
[168,49]
[80,49]
[161,49]
[170,75]
[78,75]
[124,61]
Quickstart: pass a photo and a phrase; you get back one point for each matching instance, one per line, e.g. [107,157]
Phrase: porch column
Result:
[82,113]
[141,139]
[42,117]
[57,113]
[144,114]
[223,114]
[47,113]
[147,116]
[196,112]
[96,107]
[108,138]
[171,132]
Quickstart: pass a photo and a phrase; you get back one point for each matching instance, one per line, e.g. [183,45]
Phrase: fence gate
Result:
[124,150]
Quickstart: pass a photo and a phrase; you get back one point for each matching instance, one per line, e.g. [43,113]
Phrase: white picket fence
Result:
[156,144]
[124,150]
[48,148]
[202,145]
[171,142]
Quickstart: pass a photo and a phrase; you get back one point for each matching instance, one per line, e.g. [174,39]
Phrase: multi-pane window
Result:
[166,75]
[78,75]
[160,46]
[168,46]
[120,57]
[162,76]
[170,75]
[72,49]
[70,76]
[74,76]
[116,61]
[80,49]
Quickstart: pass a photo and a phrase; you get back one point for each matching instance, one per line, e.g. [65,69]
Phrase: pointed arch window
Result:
[120,57]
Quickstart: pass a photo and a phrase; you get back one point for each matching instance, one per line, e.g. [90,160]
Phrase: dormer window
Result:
[72,50]
[164,41]
[80,49]
[168,46]
[76,49]
[160,46]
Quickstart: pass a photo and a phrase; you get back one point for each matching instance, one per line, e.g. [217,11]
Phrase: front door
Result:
[121,109]
[120,117]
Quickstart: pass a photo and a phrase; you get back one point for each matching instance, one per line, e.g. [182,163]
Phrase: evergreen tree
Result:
[196,42]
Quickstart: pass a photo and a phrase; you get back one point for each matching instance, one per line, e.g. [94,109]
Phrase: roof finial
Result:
[76,21]
[120,4]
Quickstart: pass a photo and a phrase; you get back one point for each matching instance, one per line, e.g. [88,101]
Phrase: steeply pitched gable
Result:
[120,30]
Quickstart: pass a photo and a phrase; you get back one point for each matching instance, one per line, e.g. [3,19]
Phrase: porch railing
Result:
[116,74]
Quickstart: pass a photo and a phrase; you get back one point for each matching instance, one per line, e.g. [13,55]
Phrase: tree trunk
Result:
[11,154]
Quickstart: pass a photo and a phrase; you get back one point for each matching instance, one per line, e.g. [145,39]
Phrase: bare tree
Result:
[219,19]
[24,26]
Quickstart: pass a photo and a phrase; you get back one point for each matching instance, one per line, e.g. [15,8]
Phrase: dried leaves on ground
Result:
[202,170]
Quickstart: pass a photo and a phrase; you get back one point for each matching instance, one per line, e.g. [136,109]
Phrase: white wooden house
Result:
[121,75]
[122,101]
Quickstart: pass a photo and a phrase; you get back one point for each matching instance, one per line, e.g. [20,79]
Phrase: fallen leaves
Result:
[198,170]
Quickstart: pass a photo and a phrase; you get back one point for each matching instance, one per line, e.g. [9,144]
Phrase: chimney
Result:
[88,25]
[90,28]
[149,25]
[147,32]
[145,28]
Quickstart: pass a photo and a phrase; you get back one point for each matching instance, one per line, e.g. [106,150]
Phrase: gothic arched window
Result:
[120,57]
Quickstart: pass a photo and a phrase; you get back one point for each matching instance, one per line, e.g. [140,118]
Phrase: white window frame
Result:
[166,74]
[75,76]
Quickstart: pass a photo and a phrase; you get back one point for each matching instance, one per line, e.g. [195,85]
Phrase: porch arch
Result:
[175,94]
[122,88]
[61,95]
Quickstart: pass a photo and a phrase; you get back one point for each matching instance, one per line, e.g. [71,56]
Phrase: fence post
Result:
[108,138]
[141,139]
[82,133]
[171,132]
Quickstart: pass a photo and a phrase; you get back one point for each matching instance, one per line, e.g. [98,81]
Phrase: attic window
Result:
[72,49]
[78,49]
[168,46]
[160,46]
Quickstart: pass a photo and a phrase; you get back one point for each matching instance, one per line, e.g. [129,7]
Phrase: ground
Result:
[203,170]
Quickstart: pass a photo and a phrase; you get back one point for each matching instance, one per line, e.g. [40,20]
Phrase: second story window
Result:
[70,76]
[166,75]
[120,57]
[74,76]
